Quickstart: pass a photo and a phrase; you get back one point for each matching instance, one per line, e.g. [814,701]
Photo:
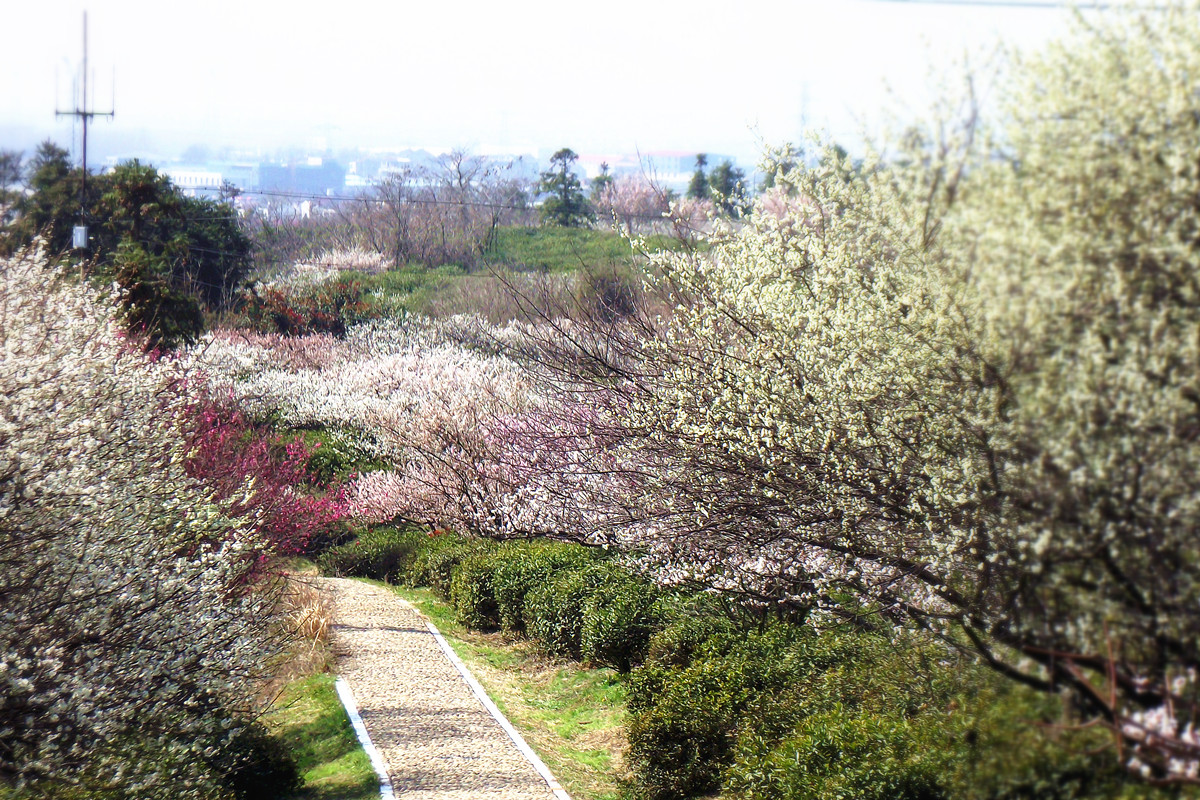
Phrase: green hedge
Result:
[472,591]
[528,566]
[384,554]
[618,621]
[685,716]
[759,709]
[554,610]
[435,562]
[843,753]
[791,713]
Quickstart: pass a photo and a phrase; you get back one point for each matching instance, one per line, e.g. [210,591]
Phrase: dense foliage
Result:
[174,256]
[326,307]
[951,385]
[955,385]
[130,645]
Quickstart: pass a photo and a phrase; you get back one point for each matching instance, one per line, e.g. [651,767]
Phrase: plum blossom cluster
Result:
[127,650]
[258,479]
[404,393]
[475,443]
[961,388]
[330,264]
[553,470]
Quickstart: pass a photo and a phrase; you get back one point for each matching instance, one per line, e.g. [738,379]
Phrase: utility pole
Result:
[84,114]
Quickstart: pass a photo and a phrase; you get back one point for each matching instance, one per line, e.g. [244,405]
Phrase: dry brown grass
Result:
[503,296]
[305,615]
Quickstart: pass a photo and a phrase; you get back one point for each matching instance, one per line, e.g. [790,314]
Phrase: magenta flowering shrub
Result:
[257,477]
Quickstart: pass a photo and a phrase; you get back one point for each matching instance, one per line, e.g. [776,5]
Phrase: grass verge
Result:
[309,717]
[551,249]
[571,715]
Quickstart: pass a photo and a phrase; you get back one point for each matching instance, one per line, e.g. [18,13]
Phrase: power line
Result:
[374,199]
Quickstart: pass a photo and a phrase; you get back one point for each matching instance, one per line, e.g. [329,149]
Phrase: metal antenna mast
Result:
[84,114]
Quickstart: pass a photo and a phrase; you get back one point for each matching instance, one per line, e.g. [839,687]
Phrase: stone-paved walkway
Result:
[437,740]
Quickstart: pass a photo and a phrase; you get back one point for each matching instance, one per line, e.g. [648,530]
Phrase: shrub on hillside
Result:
[296,311]
[843,753]
[257,475]
[618,620]
[554,611]
[677,644]
[529,566]
[786,712]
[383,554]
[435,561]
[472,589]
[684,720]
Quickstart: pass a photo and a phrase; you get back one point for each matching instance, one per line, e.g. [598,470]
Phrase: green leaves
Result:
[150,305]
[567,206]
[172,255]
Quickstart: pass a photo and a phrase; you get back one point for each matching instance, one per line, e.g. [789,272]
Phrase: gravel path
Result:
[437,740]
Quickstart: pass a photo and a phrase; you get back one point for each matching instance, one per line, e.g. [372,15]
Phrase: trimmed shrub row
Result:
[571,600]
[758,709]
[784,712]
[383,554]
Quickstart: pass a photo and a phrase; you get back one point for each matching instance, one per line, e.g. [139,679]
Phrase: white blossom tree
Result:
[129,641]
[957,384]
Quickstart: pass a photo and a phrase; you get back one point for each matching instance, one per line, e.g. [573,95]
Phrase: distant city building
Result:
[392,166]
[313,176]
[243,176]
[194,180]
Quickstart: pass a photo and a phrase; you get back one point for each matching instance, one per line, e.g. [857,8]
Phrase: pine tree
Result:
[698,188]
[566,206]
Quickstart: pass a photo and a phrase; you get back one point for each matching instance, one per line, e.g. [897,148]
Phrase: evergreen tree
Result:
[10,176]
[152,305]
[52,206]
[698,188]
[173,255]
[566,206]
[601,182]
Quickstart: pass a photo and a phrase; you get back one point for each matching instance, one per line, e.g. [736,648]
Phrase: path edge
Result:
[346,695]
[482,696]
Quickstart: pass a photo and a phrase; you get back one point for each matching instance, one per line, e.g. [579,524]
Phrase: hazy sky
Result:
[599,77]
